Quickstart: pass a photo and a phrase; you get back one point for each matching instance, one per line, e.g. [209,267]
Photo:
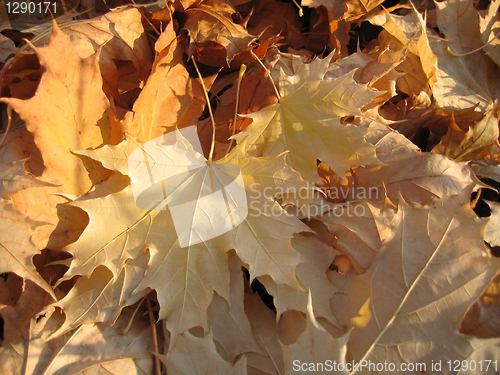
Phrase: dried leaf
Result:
[309,128]
[213,24]
[489,25]
[194,355]
[65,111]
[462,145]
[17,249]
[463,81]
[406,308]
[314,348]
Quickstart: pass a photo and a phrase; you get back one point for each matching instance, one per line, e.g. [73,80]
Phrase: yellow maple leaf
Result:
[306,122]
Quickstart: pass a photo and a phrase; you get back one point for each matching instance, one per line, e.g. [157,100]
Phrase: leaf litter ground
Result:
[366,138]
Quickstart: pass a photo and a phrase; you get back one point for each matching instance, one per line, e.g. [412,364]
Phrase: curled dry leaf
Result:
[212,24]
[473,142]
[121,38]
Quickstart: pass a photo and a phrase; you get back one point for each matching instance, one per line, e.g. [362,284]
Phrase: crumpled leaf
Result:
[306,122]
[207,23]
[473,142]
[120,36]
[418,70]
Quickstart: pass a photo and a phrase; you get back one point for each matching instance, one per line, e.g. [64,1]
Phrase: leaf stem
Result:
[154,336]
[243,68]
[268,74]
[212,146]
[448,49]
[127,328]
[6,66]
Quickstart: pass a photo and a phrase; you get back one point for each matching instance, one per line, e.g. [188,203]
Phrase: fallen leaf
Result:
[13,177]
[100,297]
[492,230]
[85,349]
[212,23]
[17,249]
[263,323]
[309,128]
[482,318]
[193,355]
[226,318]
[407,309]
[489,26]
[430,177]
[418,70]
[64,110]
[170,99]
[463,81]
[311,277]
[472,142]
[120,36]
[315,349]
[7,48]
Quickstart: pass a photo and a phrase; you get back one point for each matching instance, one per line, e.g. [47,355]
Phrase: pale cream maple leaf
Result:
[185,277]
[316,350]
[194,355]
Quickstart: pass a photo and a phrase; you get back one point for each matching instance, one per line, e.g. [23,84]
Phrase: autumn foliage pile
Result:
[386,116]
